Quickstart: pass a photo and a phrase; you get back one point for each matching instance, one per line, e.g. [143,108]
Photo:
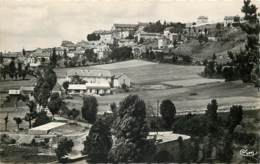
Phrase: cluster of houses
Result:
[126,35]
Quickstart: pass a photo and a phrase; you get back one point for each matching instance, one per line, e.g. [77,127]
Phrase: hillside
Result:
[232,40]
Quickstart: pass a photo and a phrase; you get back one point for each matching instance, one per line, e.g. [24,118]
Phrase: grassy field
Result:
[193,98]
[143,72]
[155,82]
[194,95]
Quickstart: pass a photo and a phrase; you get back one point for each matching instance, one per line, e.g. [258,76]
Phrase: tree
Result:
[113,108]
[73,113]
[93,37]
[65,55]
[41,119]
[130,131]
[167,111]
[235,117]
[53,58]
[211,115]
[19,69]
[45,82]
[18,121]
[98,142]
[212,110]
[214,57]
[12,69]
[65,85]
[54,104]
[64,148]
[248,61]
[29,116]
[89,108]
[218,30]
[6,121]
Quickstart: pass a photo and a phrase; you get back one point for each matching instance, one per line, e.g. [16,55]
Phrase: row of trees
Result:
[128,125]
[15,70]
[159,27]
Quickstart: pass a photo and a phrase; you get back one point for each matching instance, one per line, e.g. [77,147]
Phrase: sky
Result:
[31,24]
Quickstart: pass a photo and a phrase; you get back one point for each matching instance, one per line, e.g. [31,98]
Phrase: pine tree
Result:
[247,61]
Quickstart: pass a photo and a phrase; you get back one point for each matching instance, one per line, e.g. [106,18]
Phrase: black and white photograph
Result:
[129,81]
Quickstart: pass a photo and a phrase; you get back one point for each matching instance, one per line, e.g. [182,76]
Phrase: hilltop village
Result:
[150,92]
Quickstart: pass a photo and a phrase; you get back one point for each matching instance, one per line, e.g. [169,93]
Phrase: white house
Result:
[147,36]
[119,79]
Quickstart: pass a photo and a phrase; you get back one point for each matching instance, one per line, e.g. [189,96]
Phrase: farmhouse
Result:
[91,81]
[90,76]
[100,88]
[119,79]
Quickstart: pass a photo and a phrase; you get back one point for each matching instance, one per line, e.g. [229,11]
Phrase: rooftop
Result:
[125,25]
[49,126]
[89,73]
[167,136]
[102,32]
